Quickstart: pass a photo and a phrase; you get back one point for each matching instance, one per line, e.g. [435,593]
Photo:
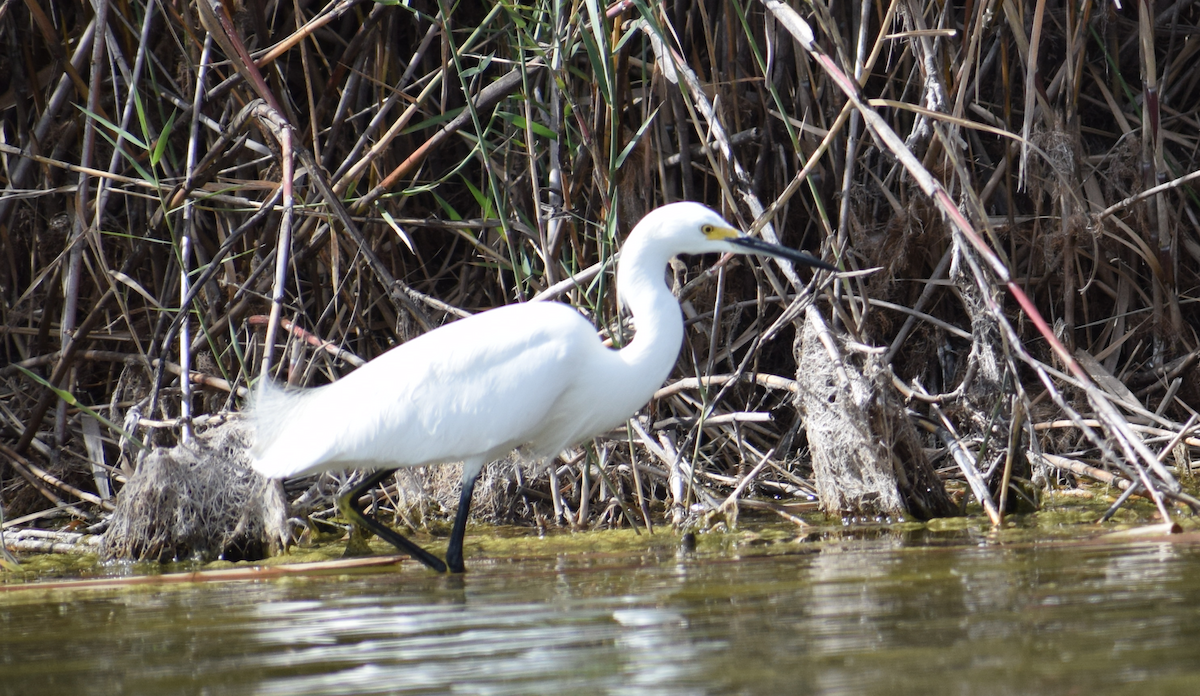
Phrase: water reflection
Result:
[881,616]
[483,637]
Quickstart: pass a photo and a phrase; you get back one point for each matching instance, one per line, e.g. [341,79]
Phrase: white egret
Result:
[532,376]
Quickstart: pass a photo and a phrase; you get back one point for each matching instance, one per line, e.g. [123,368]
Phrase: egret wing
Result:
[480,386]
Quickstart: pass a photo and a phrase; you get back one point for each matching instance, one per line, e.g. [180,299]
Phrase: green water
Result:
[951,613]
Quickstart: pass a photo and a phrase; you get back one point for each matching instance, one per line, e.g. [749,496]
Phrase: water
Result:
[889,615]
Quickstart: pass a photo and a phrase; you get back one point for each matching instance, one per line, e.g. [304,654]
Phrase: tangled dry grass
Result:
[295,187]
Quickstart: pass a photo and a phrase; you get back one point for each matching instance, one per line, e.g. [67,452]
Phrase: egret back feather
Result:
[474,388]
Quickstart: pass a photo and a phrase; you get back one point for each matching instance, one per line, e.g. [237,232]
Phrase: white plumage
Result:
[534,376]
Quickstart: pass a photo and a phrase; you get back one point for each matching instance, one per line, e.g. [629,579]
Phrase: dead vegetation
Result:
[1009,186]
[198,500]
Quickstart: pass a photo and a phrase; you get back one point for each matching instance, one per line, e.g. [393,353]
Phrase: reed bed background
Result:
[1009,185]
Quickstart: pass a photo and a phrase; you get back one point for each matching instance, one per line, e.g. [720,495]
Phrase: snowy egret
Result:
[530,376]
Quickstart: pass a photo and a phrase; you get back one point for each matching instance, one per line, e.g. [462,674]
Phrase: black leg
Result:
[348,504]
[454,554]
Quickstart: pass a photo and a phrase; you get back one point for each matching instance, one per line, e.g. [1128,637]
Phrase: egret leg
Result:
[454,553]
[348,504]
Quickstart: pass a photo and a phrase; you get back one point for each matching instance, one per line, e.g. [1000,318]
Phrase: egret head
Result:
[692,228]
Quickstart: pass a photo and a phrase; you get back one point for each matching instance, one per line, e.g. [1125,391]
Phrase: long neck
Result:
[655,347]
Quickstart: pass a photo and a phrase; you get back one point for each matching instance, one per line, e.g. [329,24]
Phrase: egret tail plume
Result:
[273,408]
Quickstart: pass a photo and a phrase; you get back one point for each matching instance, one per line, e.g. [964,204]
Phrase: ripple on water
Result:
[861,617]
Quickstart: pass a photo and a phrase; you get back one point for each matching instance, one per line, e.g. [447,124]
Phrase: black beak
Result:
[758,246]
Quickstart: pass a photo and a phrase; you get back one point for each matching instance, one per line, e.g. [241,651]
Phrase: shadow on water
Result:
[853,613]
